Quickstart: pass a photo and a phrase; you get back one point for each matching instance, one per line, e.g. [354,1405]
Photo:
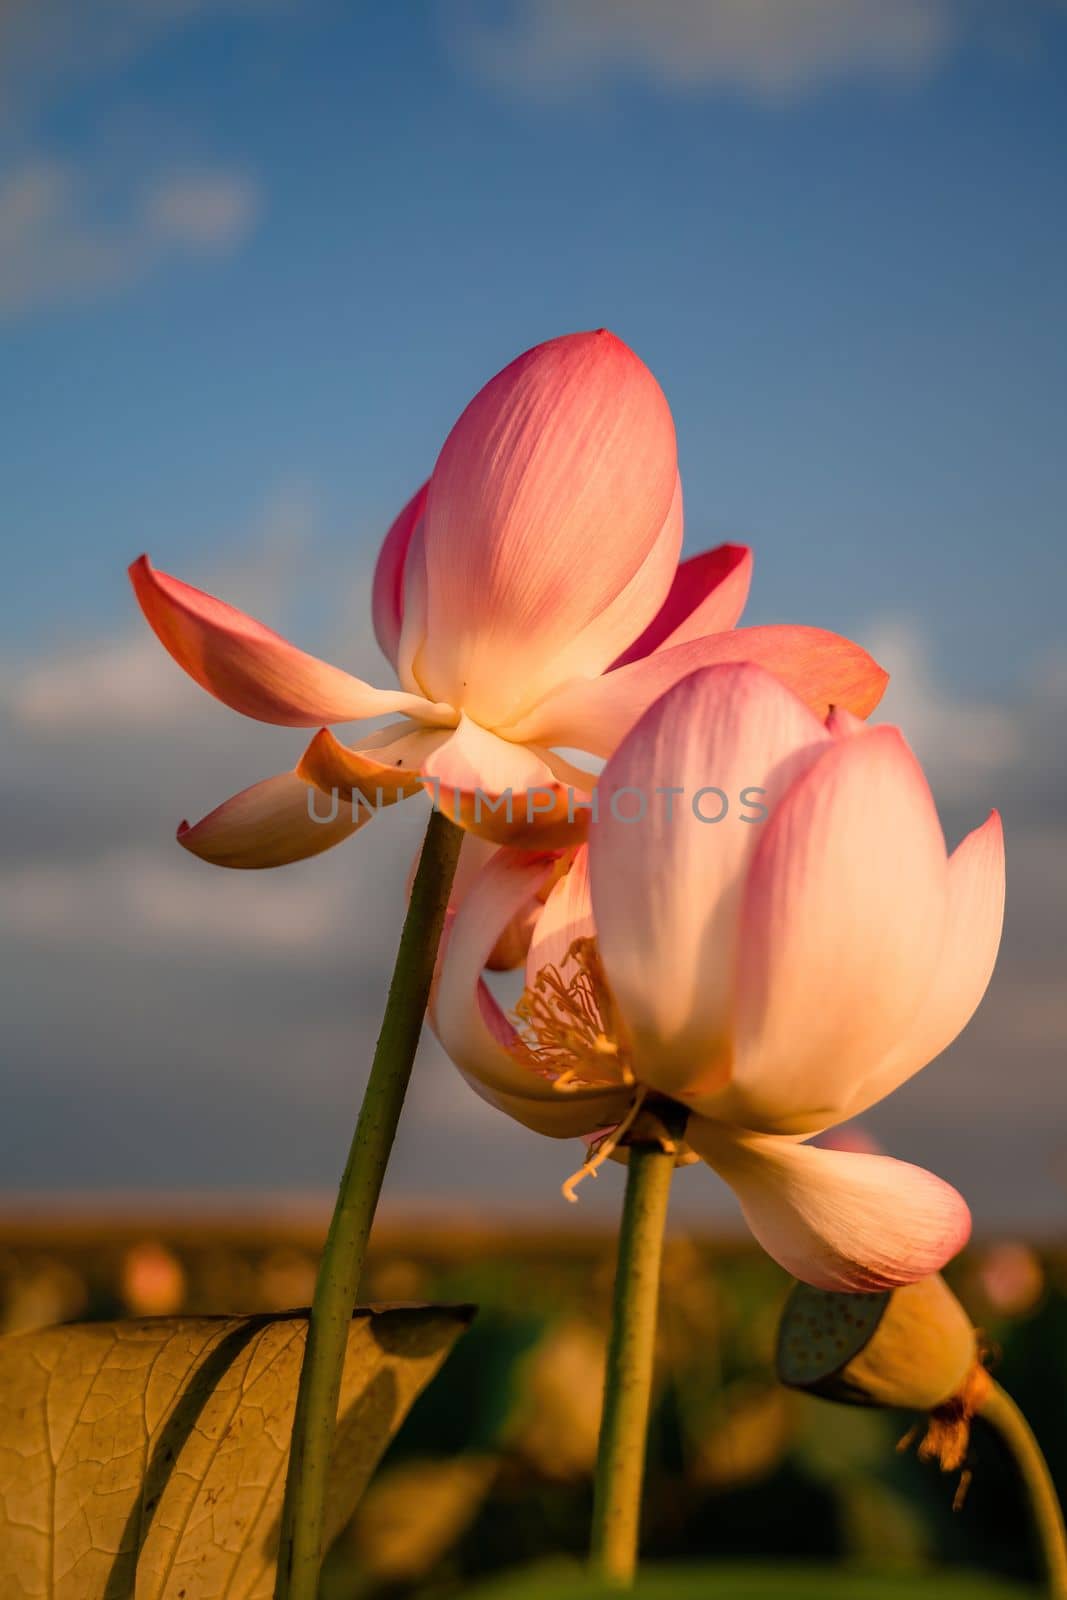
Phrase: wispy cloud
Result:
[773,49]
[60,239]
[258,995]
[46,46]
[125,682]
[965,745]
[140,897]
[169,1022]
[77,227]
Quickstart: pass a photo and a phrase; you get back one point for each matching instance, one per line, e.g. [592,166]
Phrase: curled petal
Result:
[667,877]
[549,494]
[511,946]
[841,924]
[251,668]
[270,825]
[473,757]
[387,593]
[474,1030]
[822,668]
[838,1219]
[960,975]
[505,792]
[381,773]
[567,1116]
[537,818]
[842,724]
[707,596]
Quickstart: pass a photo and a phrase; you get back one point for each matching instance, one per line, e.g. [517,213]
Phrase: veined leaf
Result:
[146,1460]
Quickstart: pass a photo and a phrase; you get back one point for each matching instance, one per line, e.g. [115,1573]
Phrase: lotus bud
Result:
[913,1347]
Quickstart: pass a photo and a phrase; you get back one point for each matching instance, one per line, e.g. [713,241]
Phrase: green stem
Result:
[1001,1412]
[628,1379]
[300,1551]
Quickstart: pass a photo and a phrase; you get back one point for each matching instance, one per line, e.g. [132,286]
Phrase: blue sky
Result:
[254,259]
[852,292]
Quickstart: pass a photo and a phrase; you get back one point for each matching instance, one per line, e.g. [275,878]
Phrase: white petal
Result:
[667,887]
[960,975]
[841,924]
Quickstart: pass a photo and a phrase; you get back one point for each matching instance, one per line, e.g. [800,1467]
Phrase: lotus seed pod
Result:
[913,1347]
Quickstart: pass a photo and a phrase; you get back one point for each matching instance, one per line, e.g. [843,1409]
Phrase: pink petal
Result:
[822,668]
[387,593]
[960,975]
[849,1136]
[567,915]
[548,496]
[252,669]
[502,791]
[474,1030]
[473,756]
[413,625]
[707,596]
[667,887]
[594,647]
[270,825]
[512,944]
[838,1219]
[841,924]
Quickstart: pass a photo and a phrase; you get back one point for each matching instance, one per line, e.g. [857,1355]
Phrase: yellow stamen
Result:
[599,1153]
[567,1026]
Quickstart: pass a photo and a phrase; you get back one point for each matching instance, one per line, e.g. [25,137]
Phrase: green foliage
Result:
[749,1583]
[490,1472]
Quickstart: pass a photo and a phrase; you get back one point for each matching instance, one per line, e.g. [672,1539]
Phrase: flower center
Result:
[568,1025]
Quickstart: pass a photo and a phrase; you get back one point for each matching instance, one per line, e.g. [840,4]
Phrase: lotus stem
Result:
[1000,1411]
[620,1467]
[340,1269]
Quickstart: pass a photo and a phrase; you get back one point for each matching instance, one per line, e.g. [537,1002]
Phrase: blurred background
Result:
[255,256]
[492,1470]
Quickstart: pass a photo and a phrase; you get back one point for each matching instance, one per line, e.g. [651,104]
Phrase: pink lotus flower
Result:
[773,978]
[530,599]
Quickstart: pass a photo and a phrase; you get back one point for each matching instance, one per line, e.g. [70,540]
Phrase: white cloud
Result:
[71,231]
[963,743]
[204,211]
[1049,672]
[128,682]
[63,236]
[222,1021]
[111,745]
[108,745]
[144,899]
[768,48]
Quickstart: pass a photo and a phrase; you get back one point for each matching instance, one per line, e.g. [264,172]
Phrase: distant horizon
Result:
[137,1211]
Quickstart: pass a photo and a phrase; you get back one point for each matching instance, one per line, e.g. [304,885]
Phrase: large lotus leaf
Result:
[146,1460]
